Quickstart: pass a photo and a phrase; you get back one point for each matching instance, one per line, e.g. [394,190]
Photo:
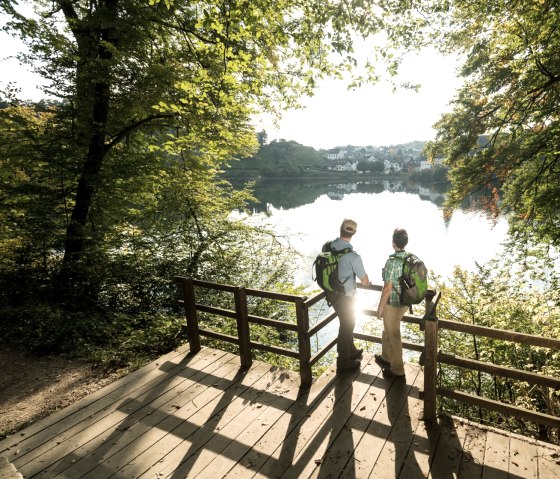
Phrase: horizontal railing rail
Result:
[529,377]
[431,358]
[301,325]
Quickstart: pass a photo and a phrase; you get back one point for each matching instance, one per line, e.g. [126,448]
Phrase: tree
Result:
[178,80]
[262,137]
[501,295]
[364,166]
[503,134]
[36,174]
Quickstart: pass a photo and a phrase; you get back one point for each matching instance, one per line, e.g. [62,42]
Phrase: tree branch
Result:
[133,126]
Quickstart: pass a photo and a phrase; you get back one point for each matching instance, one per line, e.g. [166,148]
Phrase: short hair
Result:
[400,237]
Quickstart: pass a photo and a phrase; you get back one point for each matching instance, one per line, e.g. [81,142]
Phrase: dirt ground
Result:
[32,387]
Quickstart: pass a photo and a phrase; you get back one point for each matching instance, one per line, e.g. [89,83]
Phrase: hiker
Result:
[391,310]
[350,266]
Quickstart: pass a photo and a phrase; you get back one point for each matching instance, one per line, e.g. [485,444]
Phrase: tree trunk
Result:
[93,103]
[89,177]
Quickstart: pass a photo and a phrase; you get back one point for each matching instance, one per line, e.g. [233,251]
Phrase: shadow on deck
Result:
[201,416]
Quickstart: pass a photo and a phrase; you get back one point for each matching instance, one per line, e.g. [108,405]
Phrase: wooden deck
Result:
[200,416]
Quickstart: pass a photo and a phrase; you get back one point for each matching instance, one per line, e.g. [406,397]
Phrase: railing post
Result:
[190,313]
[430,360]
[242,317]
[302,315]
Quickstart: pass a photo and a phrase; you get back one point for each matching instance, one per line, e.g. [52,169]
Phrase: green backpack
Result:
[326,268]
[413,281]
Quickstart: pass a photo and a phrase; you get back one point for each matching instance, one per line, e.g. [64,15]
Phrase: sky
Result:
[371,115]
[374,114]
[12,71]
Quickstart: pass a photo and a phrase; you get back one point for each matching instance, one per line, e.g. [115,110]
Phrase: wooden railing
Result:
[431,359]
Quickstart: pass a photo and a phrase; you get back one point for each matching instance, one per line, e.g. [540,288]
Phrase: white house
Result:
[344,166]
[336,154]
[425,165]
[392,166]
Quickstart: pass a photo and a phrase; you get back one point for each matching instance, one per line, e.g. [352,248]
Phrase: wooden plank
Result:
[341,447]
[522,458]
[374,440]
[505,335]
[60,430]
[446,458]
[430,369]
[124,440]
[502,408]
[306,438]
[82,439]
[240,412]
[277,432]
[8,470]
[143,374]
[548,462]
[496,457]
[197,416]
[396,444]
[332,444]
[284,393]
[474,448]
[424,439]
[494,369]
[189,439]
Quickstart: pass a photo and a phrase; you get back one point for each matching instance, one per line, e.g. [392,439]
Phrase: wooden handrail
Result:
[503,371]
[513,336]
[510,410]
[430,358]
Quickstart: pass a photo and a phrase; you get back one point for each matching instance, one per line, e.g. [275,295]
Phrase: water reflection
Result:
[292,193]
[310,213]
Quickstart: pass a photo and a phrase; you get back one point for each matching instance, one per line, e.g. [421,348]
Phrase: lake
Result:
[311,213]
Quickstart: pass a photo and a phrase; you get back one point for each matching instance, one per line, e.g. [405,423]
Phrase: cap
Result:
[348,226]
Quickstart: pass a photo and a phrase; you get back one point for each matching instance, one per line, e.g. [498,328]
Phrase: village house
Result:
[336,154]
[343,165]
[392,166]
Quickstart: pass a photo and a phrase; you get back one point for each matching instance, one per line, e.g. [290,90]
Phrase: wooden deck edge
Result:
[86,401]
[503,432]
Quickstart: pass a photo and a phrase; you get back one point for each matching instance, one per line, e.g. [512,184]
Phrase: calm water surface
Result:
[464,240]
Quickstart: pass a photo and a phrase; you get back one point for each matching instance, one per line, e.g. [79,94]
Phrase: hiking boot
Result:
[357,354]
[347,364]
[387,373]
[381,362]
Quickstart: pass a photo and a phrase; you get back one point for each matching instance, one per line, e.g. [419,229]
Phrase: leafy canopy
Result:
[503,134]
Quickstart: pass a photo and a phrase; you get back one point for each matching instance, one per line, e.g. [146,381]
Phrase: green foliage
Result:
[371,166]
[113,190]
[280,158]
[102,336]
[509,295]
[503,133]
[437,175]
[157,97]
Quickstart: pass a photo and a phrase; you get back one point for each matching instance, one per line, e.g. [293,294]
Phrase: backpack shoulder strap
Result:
[328,247]
[403,259]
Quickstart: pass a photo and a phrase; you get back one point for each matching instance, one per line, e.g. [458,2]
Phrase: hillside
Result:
[279,158]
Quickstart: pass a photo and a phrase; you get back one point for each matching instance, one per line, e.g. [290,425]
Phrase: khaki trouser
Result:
[391,345]
[344,307]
